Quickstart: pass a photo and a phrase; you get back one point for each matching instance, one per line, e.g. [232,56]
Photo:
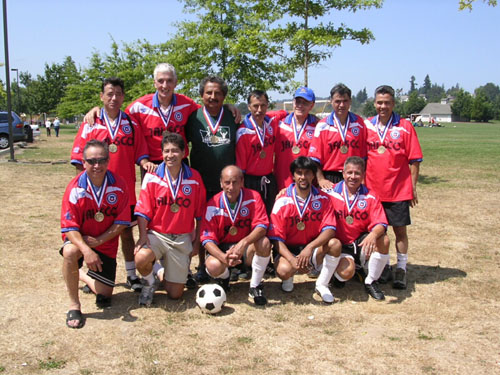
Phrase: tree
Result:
[311,41]
[413,86]
[490,90]
[481,109]
[467,4]
[358,100]
[414,104]
[426,86]
[462,105]
[435,93]
[369,109]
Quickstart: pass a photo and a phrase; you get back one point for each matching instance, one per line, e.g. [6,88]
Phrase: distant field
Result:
[446,322]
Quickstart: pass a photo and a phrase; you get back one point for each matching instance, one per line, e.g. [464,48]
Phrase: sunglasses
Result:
[97,161]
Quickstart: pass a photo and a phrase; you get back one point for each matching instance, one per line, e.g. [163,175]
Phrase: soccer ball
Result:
[211,298]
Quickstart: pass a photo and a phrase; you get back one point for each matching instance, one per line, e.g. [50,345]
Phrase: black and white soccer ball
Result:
[211,298]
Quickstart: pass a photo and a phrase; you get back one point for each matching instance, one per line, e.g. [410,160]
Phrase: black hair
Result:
[113,81]
[303,162]
[213,79]
[173,138]
[340,89]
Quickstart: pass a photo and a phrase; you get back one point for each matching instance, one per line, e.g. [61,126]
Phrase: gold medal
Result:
[344,149]
[99,216]
[113,148]
[214,139]
[349,220]
[174,208]
[381,150]
[295,149]
[262,154]
[233,231]
[301,225]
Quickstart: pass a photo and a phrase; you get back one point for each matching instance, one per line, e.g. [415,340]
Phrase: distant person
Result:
[392,168]
[57,124]
[94,211]
[47,126]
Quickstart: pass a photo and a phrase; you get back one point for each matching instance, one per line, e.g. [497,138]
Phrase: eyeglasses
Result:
[97,161]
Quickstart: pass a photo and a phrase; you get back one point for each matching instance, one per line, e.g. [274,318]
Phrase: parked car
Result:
[17,129]
[35,129]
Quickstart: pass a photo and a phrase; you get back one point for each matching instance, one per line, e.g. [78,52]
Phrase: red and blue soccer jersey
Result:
[327,142]
[318,216]
[251,157]
[216,222]
[156,199]
[79,208]
[388,173]
[130,143]
[367,212]
[285,142]
[145,111]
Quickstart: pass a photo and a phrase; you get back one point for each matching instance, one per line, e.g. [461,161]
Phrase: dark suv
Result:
[17,129]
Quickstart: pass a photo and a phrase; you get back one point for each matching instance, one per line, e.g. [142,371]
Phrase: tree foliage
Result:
[467,4]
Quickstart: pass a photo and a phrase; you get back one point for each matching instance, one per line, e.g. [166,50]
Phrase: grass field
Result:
[446,322]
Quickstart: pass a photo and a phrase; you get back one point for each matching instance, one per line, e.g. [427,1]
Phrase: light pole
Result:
[18,91]
[7,79]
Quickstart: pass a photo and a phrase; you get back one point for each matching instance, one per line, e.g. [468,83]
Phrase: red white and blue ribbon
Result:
[233,214]
[213,127]
[261,133]
[166,119]
[113,130]
[297,133]
[338,124]
[350,204]
[174,188]
[297,205]
[98,193]
[382,135]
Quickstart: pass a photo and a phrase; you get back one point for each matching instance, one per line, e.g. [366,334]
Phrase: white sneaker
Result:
[287,285]
[147,293]
[325,293]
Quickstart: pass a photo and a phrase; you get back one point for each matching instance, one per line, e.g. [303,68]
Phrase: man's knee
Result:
[263,247]
[144,257]
[284,269]
[71,253]
[383,244]
[334,247]
[174,290]
[346,268]
[214,266]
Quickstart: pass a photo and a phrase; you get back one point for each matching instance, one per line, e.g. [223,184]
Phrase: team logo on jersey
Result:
[126,129]
[361,204]
[186,189]
[244,211]
[355,131]
[143,110]
[178,116]
[111,198]
[316,205]
[395,134]
[270,130]
[309,134]
[67,216]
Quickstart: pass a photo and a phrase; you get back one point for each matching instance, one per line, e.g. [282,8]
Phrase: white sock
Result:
[338,277]
[259,265]
[376,265]
[330,264]
[402,260]
[150,278]
[223,275]
[130,268]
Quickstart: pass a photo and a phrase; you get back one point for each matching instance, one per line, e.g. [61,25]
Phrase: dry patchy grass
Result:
[446,322]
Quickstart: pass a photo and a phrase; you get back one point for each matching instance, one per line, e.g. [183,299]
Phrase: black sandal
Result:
[75,315]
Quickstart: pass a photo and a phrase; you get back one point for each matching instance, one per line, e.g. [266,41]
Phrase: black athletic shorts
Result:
[108,274]
[266,190]
[133,218]
[333,176]
[353,249]
[398,213]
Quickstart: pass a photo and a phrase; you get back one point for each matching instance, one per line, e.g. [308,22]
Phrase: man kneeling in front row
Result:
[234,231]
[303,227]
[361,228]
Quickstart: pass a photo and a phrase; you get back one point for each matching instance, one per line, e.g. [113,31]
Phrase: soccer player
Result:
[126,148]
[294,135]
[337,136]
[392,168]
[95,209]
[361,228]
[302,228]
[234,231]
[170,206]
[255,148]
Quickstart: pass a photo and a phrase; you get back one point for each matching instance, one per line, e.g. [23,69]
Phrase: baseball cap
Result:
[306,93]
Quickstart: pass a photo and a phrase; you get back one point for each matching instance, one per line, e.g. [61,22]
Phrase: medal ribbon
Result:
[261,134]
[296,202]
[298,134]
[338,124]
[166,120]
[213,127]
[98,194]
[233,214]
[382,135]
[113,130]
[346,198]
[174,189]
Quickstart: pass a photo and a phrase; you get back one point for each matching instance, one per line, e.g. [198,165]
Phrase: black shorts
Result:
[133,218]
[295,250]
[398,213]
[353,249]
[333,176]
[108,274]
[266,190]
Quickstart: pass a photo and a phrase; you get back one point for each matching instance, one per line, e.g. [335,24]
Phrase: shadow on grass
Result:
[429,180]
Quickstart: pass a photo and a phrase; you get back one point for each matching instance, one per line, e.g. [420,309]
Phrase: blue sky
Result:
[412,37]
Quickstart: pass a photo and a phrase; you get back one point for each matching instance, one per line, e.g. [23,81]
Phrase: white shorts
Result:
[173,251]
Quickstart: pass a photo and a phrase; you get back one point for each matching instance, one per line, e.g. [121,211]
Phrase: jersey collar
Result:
[156,102]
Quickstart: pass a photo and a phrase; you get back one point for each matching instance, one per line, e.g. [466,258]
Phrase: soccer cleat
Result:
[258,296]
[191,282]
[202,276]
[400,280]
[325,293]
[224,283]
[336,283]
[313,273]
[245,275]
[373,290]
[235,272]
[269,273]
[86,289]
[287,285]
[147,293]
[386,275]
[102,301]
[134,283]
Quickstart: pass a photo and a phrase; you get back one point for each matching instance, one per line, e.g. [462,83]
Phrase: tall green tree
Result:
[413,86]
[481,109]
[311,35]
[462,105]
[414,104]
[490,90]
[426,87]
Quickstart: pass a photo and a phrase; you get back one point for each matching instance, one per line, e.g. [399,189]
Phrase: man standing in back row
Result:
[392,168]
